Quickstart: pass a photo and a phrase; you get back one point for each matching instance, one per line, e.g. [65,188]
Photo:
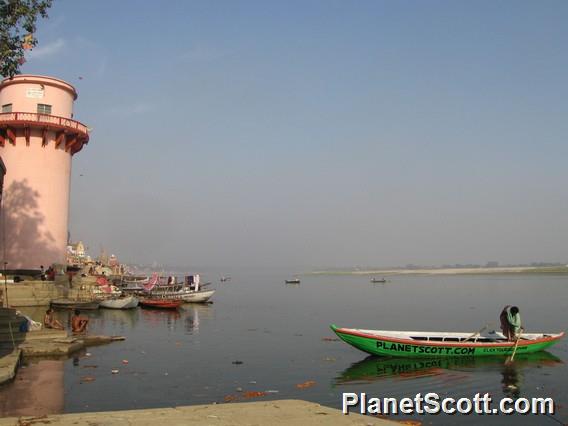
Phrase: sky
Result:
[316,133]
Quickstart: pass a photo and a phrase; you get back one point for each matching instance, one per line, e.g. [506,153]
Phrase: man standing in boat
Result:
[511,322]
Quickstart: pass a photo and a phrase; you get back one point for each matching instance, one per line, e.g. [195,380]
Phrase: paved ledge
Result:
[280,412]
[9,365]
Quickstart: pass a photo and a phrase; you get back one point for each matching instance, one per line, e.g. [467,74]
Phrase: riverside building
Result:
[38,138]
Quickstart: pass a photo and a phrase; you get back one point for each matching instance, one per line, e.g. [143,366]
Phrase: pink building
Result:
[38,137]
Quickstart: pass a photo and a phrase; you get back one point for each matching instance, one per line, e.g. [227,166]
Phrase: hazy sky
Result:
[316,133]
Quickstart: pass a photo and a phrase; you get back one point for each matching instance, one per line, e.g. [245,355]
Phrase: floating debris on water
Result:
[253,394]
[305,385]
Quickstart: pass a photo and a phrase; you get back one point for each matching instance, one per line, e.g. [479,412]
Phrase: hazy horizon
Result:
[316,133]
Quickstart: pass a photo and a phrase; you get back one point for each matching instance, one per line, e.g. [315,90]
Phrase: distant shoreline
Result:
[452,271]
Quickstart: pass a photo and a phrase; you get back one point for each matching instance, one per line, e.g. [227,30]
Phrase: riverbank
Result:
[279,412]
[48,343]
[516,270]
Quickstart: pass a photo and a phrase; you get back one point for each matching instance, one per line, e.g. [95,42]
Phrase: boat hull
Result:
[398,347]
[129,302]
[74,304]
[200,296]
[160,304]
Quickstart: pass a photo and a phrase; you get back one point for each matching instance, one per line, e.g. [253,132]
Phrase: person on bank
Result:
[78,322]
[49,321]
[510,319]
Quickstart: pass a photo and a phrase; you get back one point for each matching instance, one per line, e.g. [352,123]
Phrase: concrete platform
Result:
[9,365]
[280,412]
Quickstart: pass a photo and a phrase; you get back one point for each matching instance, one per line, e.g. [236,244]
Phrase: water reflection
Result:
[376,368]
[192,314]
[156,318]
[511,380]
[121,318]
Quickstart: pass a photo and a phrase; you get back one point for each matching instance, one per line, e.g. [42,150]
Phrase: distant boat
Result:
[293,281]
[74,304]
[377,280]
[128,302]
[160,303]
[225,279]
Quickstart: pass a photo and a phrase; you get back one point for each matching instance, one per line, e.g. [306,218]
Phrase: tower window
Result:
[43,109]
[7,108]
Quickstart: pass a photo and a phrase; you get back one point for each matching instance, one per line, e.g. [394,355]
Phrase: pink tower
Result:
[38,137]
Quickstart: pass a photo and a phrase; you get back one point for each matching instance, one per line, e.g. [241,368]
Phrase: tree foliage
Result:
[17,28]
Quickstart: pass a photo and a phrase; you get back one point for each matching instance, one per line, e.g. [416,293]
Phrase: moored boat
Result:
[74,304]
[160,303]
[184,294]
[128,302]
[437,344]
[201,296]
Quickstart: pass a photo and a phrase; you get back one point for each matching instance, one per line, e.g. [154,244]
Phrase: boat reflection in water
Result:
[193,313]
[374,368]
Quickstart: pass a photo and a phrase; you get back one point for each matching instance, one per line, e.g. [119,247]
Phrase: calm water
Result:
[277,332]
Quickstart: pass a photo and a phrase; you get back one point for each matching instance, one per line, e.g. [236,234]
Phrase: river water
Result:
[261,335]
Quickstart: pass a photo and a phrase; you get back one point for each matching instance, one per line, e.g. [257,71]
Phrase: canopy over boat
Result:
[434,344]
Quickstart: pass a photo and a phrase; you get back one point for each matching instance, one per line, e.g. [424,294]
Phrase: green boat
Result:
[412,344]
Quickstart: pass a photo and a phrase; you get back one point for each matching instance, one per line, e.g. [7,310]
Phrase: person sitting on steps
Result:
[49,321]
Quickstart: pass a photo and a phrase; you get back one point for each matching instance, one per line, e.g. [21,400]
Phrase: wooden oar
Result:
[476,333]
[508,361]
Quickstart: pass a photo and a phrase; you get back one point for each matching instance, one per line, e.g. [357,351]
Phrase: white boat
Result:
[128,302]
[200,296]
[185,294]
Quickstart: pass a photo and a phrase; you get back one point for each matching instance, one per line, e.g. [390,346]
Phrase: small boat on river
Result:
[128,302]
[442,344]
[293,281]
[377,280]
[74,304]
[160,303]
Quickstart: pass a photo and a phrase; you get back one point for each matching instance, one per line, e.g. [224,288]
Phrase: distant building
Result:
[76,254]
[113,261]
